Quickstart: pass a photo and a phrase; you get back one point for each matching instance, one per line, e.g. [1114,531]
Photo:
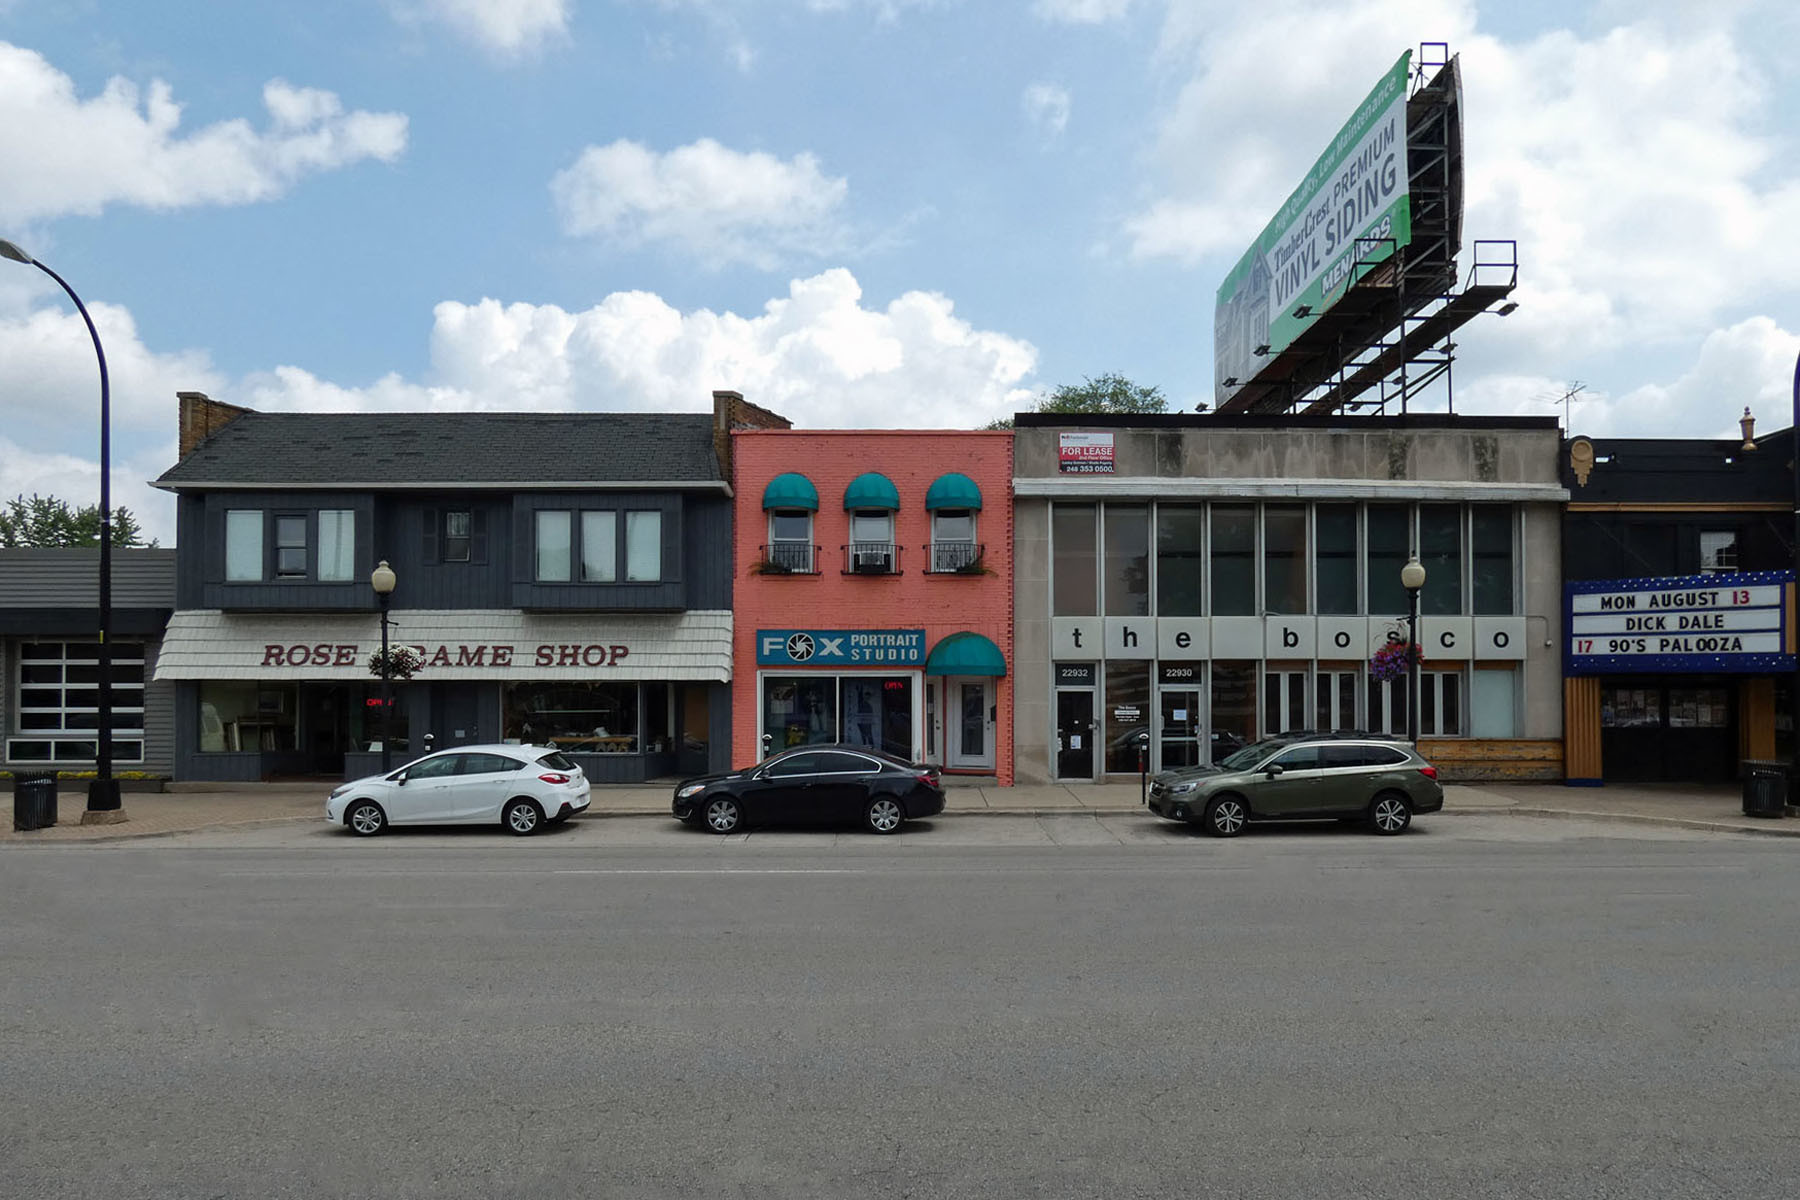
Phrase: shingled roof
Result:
[413,450]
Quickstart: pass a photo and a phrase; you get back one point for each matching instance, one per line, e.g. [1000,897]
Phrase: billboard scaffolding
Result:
[1350,297]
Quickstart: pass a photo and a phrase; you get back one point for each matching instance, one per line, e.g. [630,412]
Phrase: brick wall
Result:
[941,604]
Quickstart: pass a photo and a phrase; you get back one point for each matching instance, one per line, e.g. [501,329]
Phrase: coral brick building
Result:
[873,594]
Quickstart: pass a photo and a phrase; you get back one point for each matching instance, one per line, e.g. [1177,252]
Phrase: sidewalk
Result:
[212,806]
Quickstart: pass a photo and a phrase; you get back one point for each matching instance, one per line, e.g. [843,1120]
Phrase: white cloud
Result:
[505,28]
[718,204]
[817,355]
[1047,107]
[124,146]
[1081,12]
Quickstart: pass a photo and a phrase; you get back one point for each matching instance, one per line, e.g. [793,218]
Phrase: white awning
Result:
[495,644]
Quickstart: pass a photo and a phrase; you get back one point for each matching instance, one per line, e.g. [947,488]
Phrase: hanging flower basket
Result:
[1393,660]
[402,661]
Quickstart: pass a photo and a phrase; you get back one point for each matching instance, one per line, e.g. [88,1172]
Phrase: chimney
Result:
[730,412]
[202,416]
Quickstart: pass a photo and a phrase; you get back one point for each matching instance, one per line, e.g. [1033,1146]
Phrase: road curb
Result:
[1773,829]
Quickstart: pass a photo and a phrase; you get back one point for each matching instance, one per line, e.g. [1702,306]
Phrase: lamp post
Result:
[1412,578]
[103,792]
[382,580]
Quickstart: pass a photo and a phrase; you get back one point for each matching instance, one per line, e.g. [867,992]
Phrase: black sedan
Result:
[813,785]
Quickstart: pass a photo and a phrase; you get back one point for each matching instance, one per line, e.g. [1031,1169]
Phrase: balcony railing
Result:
[955,558]
[871,558]
[788,558]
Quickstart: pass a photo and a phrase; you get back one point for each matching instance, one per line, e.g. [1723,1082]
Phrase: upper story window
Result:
[1284,559]
[290,547]
[1180,565]
[459,527]
[1491,540]
[1335,556]
[791,540]
[600,546]
[553,534]
[1718,551]
[1074,560]
[953,539]
[337,545]
[1125,561]
[872,541]
[244,545]
[1233,560]
[643,546]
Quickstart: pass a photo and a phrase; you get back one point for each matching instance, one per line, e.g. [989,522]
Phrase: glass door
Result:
[1178,729]
[1075,734]
[971,713]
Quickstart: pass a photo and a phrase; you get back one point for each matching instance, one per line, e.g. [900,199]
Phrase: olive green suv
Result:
[1303,777]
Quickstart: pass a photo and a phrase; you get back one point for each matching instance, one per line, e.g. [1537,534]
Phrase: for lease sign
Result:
[1728,622]
[1085,453]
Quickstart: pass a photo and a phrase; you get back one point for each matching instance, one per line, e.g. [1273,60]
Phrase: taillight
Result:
[1428,771]
[554,778]
[928,778]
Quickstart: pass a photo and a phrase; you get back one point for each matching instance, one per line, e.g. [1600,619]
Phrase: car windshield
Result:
[1250,755]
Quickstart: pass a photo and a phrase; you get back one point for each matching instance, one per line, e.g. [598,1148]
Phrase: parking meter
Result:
[767,741]
[1143,741]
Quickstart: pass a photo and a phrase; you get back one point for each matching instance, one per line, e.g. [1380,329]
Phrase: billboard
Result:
[1730,622]
[1301,262]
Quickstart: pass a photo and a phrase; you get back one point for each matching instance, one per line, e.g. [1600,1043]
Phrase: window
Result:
[1440,551]
[1718,551]
[872,541]
[441,767]
[1074,548]
[1336,697]
[488,764]
[1127,714]
[791,540]
[57,702]
[1390,545]
[1233,561]
[1300,758]
[1440,704]
[1492,535]
[337,545]
[799,710]
[599,546]
[458,526]
[1233,707]
[878,713]
[797,764]
[1492,704]
[1179,529]
[1284,701]
[1127,560]
[243,545]
[643,546]
[953,539]
[1336,558]
[1284,560]
[245,717]
[832,762]
[552,546]
[1344,757]
[588,718]
[290,547]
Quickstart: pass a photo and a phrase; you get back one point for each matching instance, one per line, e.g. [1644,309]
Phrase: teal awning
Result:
[791,490]
[954,490]
[873,490]
[965,654]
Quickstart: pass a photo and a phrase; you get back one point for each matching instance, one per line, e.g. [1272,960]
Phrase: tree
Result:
[1110,393]
[50,521]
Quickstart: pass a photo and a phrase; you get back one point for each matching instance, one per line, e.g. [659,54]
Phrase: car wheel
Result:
[365,818]
[883,815]
[1225,816]
[723,814]
[522,817]
[1390,814]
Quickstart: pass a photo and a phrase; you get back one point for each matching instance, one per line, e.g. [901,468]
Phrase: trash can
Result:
[1765,788]
[34,801]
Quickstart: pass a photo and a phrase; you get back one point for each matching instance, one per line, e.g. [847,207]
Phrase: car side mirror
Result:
[1275,769]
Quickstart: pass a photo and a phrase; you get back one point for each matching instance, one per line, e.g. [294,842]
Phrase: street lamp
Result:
[1412,578]
[103,792]
[382,580]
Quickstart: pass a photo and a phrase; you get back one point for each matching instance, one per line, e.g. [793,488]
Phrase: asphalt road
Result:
[994,1007]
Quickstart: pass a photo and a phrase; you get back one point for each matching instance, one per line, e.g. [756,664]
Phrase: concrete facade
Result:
[1495,473]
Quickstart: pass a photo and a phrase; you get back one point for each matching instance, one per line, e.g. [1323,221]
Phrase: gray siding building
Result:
[49,653]
[562,579]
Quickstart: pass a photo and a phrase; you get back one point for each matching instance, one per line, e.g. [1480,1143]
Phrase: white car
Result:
[523,788]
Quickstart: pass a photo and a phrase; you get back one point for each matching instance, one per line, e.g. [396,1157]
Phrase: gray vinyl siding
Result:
[413,546]
[707,551]
[272,595]
[70,578]
[159,717]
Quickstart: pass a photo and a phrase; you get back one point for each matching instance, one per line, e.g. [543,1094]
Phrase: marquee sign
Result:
[1736,622]
[840,647]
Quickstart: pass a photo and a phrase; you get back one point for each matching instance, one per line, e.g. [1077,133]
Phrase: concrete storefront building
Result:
[1211,580]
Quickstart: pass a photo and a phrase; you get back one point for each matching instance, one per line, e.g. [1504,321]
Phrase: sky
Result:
[913,213]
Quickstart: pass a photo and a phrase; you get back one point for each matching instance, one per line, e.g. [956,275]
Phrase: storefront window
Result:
[1233,707]
[1335,532]
[1493,555]
[799,710]
[1493,701]
[1390,545]
[590,718]
[1284,560]
[878,714]
[248,716]
[1233,561]
[1127,714]
[58,696]
[1127,560]
[1440,550]
[1178,562]
[1073,567]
